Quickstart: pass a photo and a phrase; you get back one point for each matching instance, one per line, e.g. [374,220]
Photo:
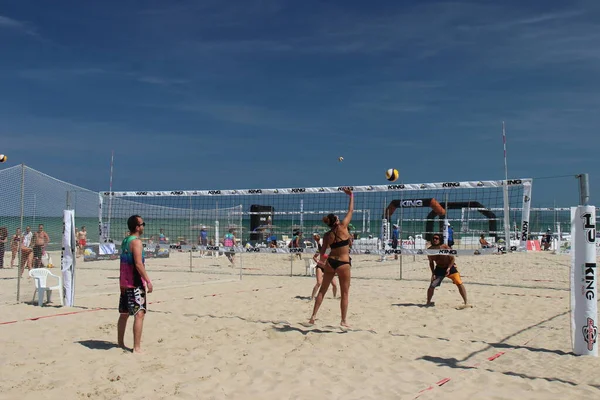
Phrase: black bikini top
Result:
[338,244]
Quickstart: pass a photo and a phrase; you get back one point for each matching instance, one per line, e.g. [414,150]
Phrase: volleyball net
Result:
[270,231]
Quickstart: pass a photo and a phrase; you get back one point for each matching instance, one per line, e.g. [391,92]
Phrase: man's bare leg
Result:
[430,296]
[138,325]
[463,292]
[121,325]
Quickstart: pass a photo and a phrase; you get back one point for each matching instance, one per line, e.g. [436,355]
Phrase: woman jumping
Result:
[338,262]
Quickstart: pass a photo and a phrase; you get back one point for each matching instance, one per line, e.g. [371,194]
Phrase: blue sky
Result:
[268,93]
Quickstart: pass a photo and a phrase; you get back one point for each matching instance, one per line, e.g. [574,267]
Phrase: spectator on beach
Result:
[317,240]
[15,245]
[81,240]
[296,243]
[40,241]
[229,241]
[484,243]
[203,239]
[450,236]
[547,240]
[395,238]
[26,251]
[3,241]
[162,239]
[27,237]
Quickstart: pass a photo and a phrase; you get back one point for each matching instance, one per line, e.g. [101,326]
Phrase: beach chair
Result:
[308,244]
[311,266]
[40,276]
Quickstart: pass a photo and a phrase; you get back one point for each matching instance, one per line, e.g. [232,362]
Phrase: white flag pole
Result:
[506,203]
[112,158]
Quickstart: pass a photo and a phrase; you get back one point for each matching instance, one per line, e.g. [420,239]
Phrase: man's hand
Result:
[348,191]
[149,287]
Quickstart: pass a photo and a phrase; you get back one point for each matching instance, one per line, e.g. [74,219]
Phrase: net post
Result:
[22,230]
[584,189]
[584,289]
[400,275]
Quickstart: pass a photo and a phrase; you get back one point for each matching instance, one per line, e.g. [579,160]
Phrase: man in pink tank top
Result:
[134,283]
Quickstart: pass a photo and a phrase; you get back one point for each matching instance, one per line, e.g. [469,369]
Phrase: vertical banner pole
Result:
[525,215]
[68,257]
[584,281]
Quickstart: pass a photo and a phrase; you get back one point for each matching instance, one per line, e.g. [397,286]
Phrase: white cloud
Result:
[23,27]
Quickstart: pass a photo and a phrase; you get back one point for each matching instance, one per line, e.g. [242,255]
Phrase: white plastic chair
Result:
[40,276]
[310,266]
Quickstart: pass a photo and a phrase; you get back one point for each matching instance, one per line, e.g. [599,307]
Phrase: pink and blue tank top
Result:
[130,277]
[228,242]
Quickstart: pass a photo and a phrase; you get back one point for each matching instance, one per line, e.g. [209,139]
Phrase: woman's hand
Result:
[348,191]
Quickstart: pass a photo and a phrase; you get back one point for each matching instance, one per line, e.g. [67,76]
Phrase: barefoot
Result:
[138,351]
[311,321]
[463,306]
[430,304]
[344,324]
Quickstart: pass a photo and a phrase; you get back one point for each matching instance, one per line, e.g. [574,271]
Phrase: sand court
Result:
[248,339]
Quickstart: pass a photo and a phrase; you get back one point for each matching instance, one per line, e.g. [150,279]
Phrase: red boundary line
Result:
[446,380]
[99,309]
[532,295]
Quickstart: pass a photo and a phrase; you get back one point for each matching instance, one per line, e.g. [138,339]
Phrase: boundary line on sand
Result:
[442,382]
[106,309]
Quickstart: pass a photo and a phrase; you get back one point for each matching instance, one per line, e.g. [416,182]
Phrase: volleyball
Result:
[341,159]
[392,174]
[3,158]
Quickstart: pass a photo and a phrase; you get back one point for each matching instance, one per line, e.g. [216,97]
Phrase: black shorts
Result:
[37,252]
[441,272]
[394,243]
[132,300]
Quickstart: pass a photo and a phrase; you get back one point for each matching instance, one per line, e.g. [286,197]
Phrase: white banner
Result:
[333,189]
[584,289]
[524,217]
[68,256]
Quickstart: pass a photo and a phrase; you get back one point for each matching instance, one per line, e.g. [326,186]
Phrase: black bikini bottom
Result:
[335,264]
